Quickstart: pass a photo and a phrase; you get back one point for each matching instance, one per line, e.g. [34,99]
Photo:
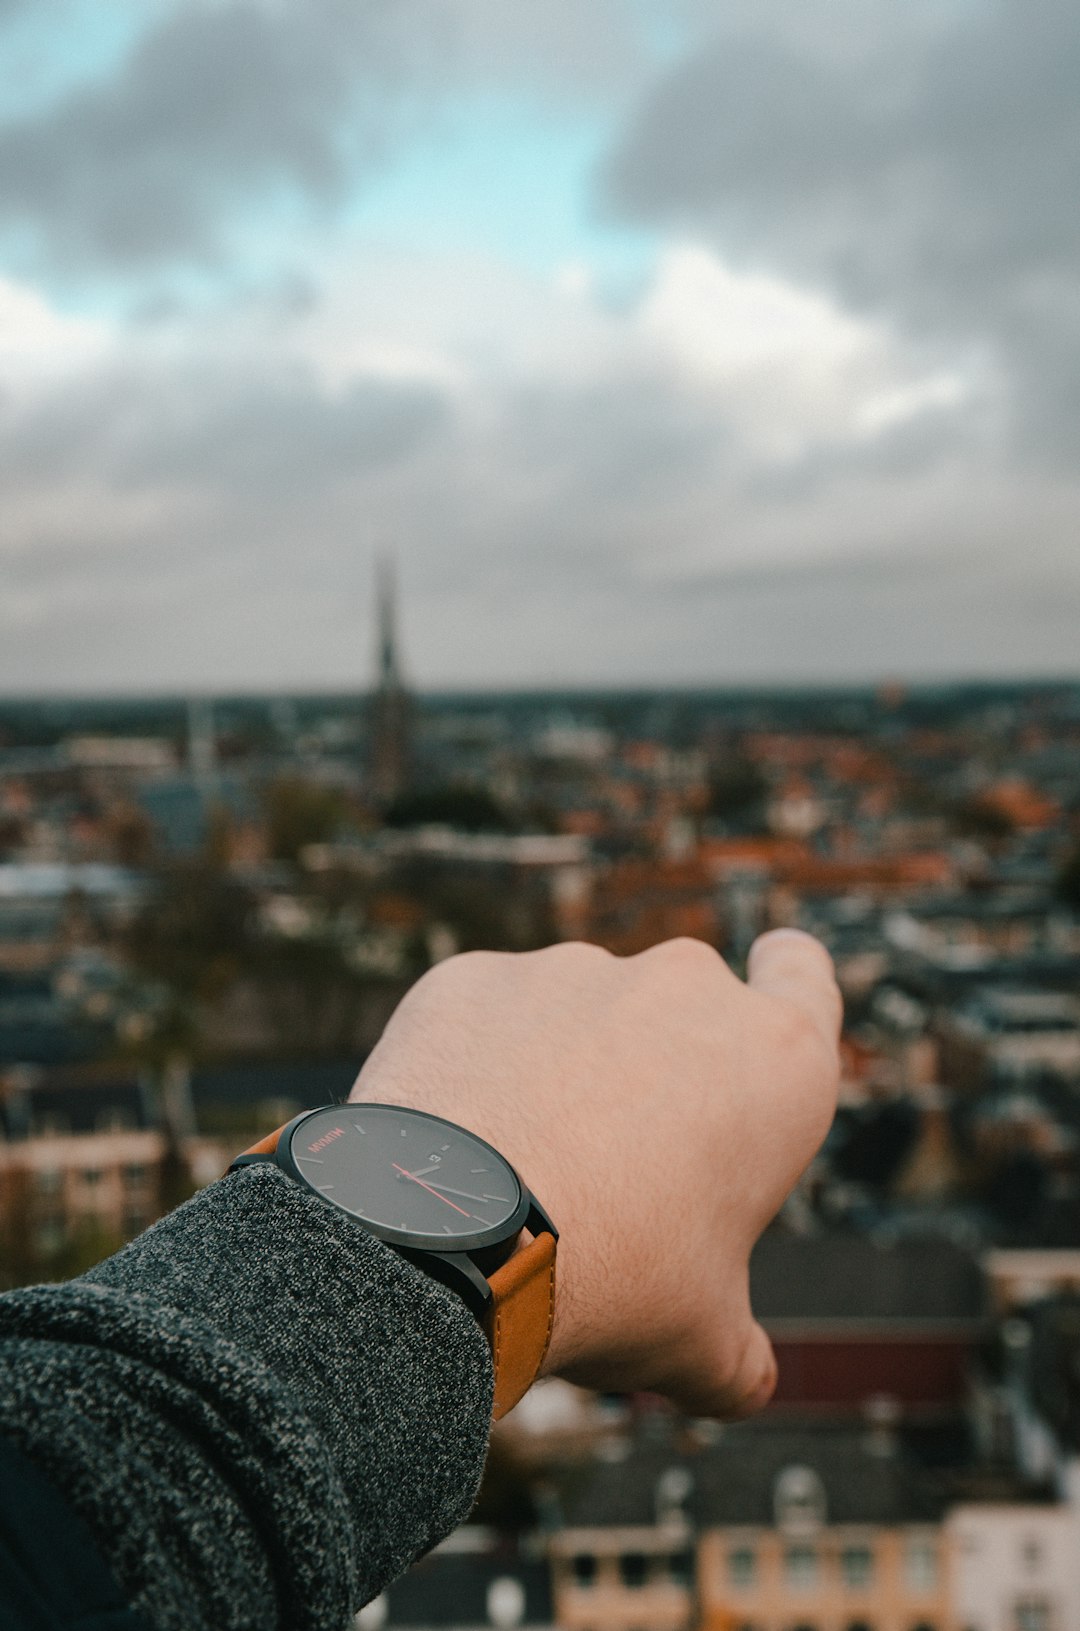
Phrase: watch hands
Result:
[462,1194]
[431,1191]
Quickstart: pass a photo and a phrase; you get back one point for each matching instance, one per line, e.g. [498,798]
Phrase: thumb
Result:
[796,967]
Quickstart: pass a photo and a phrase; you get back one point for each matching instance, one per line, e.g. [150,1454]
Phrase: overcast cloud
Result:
[659,346]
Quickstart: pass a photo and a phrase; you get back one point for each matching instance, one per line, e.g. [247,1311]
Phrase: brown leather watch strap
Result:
[519,1319]
[267,1145]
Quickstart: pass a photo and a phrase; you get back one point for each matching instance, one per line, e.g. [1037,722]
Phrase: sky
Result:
[658,343]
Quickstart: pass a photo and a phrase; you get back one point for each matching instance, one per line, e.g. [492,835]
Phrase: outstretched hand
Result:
[661,1110]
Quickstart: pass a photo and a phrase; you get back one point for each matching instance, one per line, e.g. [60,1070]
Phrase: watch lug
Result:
[456,1271]
[249,1161]
[538,1222]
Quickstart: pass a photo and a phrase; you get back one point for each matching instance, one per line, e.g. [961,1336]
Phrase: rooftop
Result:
[841,1277]
[859,1476]
[450,1588]
[73,1102]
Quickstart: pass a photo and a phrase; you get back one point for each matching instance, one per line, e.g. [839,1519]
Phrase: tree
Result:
[981,819]
[737,792]
[467,809]
[1068,884]
[131,833]
[195,932]
[300,813]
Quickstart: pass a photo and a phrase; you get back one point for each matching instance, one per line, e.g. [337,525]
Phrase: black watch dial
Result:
[413,1178]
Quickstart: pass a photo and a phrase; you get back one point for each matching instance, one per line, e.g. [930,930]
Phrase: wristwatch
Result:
[447,1201]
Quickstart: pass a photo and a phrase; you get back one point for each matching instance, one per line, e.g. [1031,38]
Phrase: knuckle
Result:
[469,962]
[579,951]
[468,966]
[684,949]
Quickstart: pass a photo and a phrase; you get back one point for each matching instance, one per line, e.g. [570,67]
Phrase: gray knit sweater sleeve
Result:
[261,1411]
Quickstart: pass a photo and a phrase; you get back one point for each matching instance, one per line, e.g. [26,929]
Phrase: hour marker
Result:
[404,1134]
[313,1158]
[358,1127]
[495,1198]
[322,1187]
[447,1229]
[479,1169]
[445,1146]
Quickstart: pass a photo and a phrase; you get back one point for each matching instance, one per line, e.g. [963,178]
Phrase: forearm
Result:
[262,1412]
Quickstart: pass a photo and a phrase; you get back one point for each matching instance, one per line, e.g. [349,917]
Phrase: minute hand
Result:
[431,1191]
[463,1194]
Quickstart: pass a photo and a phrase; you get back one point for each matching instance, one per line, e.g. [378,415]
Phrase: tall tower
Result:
[202,743]
[391,705]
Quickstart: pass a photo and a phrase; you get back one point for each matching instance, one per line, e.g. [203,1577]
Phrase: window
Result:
[91,1177]
[681,1568]
[135,1221]
[135,1175]
[859,1625]
[742,1566]
[924,1625]
[857,1566]
[673,1490]
[799,1500]
[1031,1552]
[506,1601]
[583,1567]
[49,1238]
[921,1563]
[633,1569]
[801,1567]
[1032,1614]
[114,1120]
[49,1181]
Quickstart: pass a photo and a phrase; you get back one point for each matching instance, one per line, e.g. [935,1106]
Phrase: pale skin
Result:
[661,1109]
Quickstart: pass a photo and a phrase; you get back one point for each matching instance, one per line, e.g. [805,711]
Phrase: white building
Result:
[1015,1568]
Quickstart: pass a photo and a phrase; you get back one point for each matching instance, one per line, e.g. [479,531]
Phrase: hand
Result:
[661,1110]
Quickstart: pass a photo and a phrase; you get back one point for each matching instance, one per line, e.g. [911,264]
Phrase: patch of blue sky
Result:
[49,50]
[667,33]
[488,176]
[497,177]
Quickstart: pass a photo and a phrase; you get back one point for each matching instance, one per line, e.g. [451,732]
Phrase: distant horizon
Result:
[598,690]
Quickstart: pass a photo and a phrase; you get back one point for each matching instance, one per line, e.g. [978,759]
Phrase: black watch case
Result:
[464,1265]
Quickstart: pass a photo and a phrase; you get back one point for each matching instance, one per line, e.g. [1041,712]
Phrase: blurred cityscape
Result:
[208,909]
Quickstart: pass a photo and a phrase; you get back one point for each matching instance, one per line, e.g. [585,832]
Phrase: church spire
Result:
[391,706]
[386,597]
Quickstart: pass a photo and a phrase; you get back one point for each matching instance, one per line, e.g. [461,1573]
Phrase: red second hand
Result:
[429,1189]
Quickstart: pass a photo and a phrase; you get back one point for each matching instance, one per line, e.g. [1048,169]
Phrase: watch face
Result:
[413,1177]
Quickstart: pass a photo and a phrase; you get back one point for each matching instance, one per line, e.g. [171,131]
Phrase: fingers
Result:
[792,965]
[731,1393]
[756,1381]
